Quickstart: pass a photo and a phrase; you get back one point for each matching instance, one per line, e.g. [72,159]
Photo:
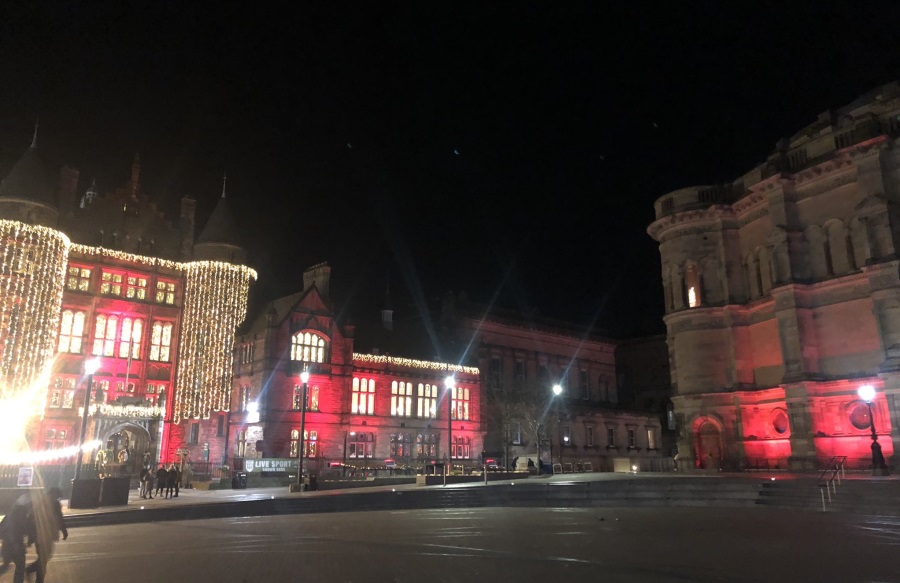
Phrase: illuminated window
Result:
[401,399]
[130,338]
[55,438]
[651,439]
[243,398]
[111,283]
[105,335]
[160,341]
[692,297]
[78,278]
[247,352]
[460,403]
[312,397]
[692,283]
[136,288]
[363,402]
[307,347]
[401,446]
[515,433]
[154,391]
[71,329]
[461,448]
[426,445]
[165,292]
[427,401]
[310,441]
[360,444]
[125,389]
[62,395]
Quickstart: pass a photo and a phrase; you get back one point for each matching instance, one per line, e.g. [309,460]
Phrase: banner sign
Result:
[26,477]
[270,465]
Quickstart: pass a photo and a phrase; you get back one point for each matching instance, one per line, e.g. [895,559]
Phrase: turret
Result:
[28,193]
[219,241]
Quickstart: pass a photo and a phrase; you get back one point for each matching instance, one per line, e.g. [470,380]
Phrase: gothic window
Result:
[692,286]
[460,404]
[160,341]
[308,347]
[427,406]
[401,446]
[165,292]
[312,397]
[401,399]
[130,338]
[363,402]
[71,329]
[360,445]
[78,278]
[105,328]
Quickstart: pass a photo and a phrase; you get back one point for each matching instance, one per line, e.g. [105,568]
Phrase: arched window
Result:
[310,442]
[308,347]
[460,403]
[426,445]
[312,397]
[71,329]
[105,335]
[401,399]
[130,338]
[692,286]
[427,401]
[160,341]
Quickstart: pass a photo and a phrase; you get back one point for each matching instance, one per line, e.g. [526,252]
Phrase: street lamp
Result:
[867,394]
[90,367]
[557,391]
[450,384]
[304,378]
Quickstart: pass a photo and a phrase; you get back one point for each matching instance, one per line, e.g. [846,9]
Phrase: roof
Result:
[29,180]
[281,308]
[220,228]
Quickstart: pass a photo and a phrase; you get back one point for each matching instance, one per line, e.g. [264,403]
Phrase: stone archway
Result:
[125,445]
[708,444]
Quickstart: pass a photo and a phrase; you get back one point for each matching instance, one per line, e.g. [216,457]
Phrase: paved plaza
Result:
[492,544]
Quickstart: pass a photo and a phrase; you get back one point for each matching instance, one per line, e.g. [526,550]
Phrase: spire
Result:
[224,180]
[135,175]
[34,137]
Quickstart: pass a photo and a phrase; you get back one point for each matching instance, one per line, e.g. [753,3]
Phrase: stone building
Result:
[782,297]
[365,410]
[107,278]
[644,382]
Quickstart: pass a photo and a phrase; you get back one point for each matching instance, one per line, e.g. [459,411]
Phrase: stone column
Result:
[797,335]
[803,447]
[884,282]
[891,382]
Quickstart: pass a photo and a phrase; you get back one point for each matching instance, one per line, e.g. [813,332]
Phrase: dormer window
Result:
[308,347]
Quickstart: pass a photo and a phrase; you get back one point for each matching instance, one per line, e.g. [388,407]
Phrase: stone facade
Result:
[782,297]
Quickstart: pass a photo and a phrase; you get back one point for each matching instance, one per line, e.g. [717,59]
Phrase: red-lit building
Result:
[363,410]
[125,287]
[782,299]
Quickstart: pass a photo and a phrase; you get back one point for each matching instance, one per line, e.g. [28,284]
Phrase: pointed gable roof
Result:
[29,180]
[282,307]
[220,228]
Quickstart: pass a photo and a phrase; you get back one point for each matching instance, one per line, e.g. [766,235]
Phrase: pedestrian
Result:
[177,471]
[162,479]
[49,522]
[16,532]
[878,461]
[171,480]
[145,481]
[151,481]
[186,476]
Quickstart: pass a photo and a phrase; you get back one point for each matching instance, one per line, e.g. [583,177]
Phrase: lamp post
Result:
[450,384]
[867,394]
[557,391]
[304,378]
[90,367]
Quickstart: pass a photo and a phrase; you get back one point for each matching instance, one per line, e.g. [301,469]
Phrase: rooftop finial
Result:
[224,180]
[34,137]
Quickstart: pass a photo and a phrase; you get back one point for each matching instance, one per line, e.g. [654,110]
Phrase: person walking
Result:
[178,478]
[162,480]
[151,482]
[16,533]
[49,522]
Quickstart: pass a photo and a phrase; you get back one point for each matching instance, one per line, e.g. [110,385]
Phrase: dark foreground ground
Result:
[491,545]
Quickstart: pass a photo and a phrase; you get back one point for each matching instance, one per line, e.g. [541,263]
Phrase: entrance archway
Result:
[125,447]
[708,439]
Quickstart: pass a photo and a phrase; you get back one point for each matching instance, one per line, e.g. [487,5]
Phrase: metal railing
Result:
[831,477]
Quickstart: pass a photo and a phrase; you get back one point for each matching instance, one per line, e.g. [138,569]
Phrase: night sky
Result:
[513,153]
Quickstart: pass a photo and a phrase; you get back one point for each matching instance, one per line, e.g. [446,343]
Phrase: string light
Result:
[33,273]
[131,411]
[215,303]
[412,363]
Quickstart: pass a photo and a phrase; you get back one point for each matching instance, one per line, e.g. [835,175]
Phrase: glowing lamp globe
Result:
[304,376]
[866,393]
[92,366]
[450,382]
[557,390]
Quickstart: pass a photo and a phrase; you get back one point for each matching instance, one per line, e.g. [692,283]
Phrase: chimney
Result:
[186,226]
[320,275]
[387,319]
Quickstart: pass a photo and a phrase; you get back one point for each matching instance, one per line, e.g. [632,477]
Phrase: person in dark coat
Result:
[16,533]
[171,481]
[162,480]
[145,481]
[49,522]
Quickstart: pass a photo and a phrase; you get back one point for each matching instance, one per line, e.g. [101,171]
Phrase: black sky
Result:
[450,146]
